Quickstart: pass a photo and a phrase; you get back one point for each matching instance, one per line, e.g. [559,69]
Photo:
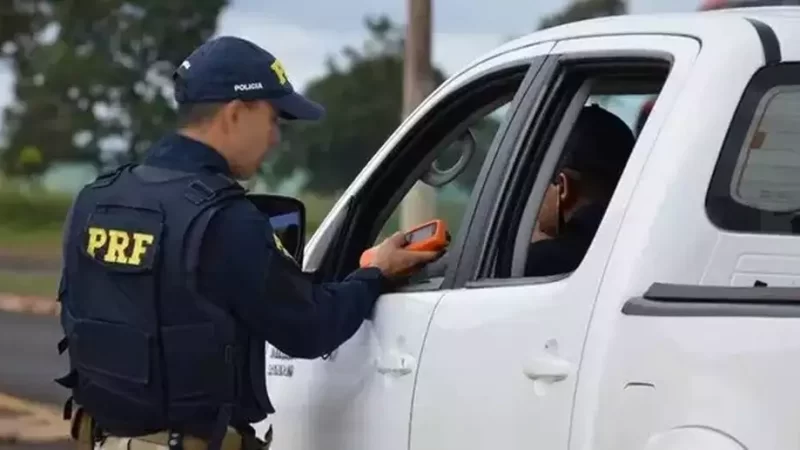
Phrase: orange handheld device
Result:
[430,236]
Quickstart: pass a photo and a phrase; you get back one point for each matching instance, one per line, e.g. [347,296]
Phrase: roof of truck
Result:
[724,24]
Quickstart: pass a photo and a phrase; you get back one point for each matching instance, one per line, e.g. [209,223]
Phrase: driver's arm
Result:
[242,269]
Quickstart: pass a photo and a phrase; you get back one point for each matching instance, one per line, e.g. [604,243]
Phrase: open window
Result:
[624,87]
[464,122]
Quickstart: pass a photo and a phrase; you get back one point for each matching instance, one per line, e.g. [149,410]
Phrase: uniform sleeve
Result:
[271,296]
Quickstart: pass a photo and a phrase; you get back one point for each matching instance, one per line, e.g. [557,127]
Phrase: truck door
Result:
[503,353]
[360,396]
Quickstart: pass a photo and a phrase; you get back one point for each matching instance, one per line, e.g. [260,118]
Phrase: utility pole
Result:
[419,205]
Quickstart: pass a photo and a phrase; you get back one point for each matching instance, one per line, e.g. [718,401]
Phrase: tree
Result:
[20,21]
[104,80]
[584,9]
[363,98]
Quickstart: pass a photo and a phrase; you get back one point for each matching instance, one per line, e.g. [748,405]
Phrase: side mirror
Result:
[288,218]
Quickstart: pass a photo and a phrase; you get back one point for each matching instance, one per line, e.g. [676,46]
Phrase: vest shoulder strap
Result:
[203,187]
[207,187]
[108,177]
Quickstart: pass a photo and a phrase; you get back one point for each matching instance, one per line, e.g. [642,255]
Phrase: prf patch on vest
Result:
[125,240]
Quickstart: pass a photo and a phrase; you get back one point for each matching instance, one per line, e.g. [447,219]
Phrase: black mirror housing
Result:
[287,215]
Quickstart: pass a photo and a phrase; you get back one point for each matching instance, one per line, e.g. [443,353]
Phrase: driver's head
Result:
[594,156]
[231,94]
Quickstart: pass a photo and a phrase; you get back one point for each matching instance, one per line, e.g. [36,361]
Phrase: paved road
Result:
[22,263]
[30,402]
[29,360]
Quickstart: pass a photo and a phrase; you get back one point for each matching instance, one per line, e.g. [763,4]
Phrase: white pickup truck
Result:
[680,328]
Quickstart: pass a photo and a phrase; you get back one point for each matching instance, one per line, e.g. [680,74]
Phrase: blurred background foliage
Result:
[92,88]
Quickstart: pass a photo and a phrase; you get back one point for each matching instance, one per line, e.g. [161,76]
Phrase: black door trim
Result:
[479,211]
[677,300]
[769,41]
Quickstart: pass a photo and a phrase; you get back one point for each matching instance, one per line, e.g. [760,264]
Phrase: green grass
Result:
[28,283]
[37,241]
[30,222]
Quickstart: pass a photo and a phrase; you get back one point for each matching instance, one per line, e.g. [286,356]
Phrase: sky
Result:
[303,33]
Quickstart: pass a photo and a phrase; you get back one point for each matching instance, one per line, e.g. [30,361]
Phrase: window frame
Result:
[722,209]
[481,271]
[380,195]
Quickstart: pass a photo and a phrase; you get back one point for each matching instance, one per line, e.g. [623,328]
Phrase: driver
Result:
[575,202]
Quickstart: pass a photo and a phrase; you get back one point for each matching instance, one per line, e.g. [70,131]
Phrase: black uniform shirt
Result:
[564,253]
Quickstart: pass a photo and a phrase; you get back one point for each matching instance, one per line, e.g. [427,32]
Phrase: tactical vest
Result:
[147,351]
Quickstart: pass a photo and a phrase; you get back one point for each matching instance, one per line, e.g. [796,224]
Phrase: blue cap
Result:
[230,68]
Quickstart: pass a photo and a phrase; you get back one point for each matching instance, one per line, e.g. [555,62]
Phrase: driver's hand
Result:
[394,261]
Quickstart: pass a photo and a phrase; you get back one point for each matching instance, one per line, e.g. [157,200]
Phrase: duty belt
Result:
[85,434]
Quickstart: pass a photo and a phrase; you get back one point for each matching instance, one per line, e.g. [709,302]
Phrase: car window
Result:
[451,199]
[565,173]
[561,253]
[767,175]
[631,108]
[756,182]
[467,116]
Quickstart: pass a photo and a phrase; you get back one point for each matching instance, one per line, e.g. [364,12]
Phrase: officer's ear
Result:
[233,114]
[240,110]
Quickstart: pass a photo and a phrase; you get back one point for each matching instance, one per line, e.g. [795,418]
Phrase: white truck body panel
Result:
[557,365]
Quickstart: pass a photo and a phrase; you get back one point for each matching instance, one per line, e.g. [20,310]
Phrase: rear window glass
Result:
[767,173]
[756,183]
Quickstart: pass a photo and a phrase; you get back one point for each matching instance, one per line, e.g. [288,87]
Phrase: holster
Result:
[82,430]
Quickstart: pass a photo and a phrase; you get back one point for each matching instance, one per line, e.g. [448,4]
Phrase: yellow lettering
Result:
[118,242]
[97,239]
[140,243]
[280,72]
[279,244]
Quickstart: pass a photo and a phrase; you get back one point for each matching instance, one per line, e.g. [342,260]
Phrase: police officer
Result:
[574,204]
[173,281]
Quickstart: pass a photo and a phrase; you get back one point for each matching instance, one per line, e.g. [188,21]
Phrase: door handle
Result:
[394,363]
[547,368]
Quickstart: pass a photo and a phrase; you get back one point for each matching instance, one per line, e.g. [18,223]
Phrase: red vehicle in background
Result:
[710,5]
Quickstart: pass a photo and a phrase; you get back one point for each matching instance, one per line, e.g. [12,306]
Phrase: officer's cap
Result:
[599,143]
[230,68]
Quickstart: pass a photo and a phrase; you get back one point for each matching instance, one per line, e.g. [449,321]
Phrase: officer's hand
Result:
[394,261]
